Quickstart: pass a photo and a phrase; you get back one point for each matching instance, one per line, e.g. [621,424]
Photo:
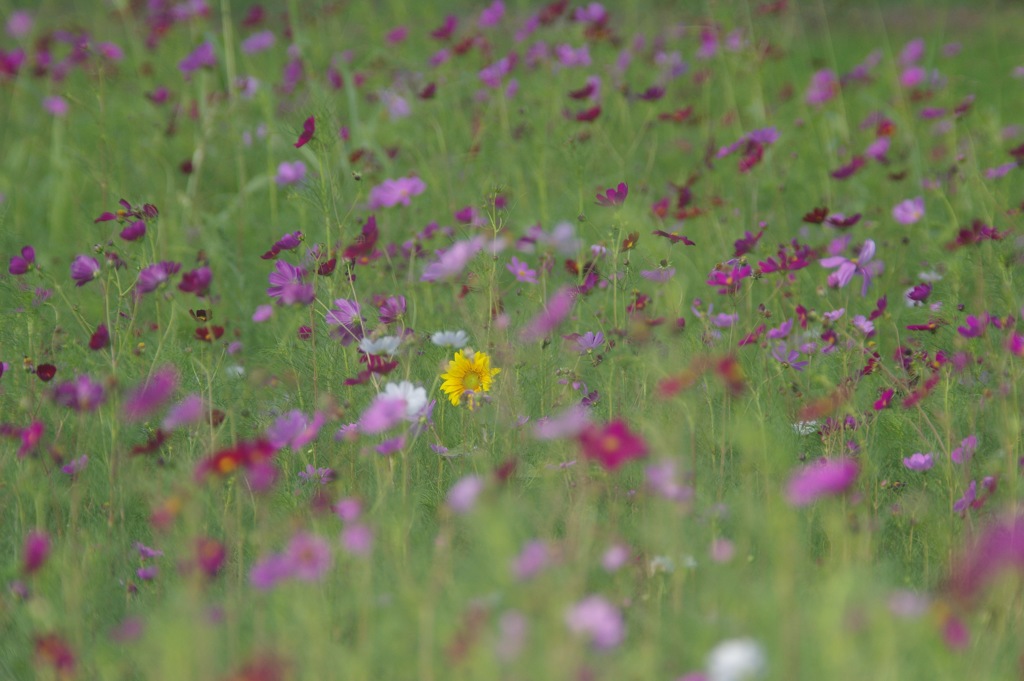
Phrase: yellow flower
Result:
[468,374]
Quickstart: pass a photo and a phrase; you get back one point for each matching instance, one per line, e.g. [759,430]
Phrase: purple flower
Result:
[967,500]
[56,106]
[309,557]
[344,317]
[189,410]
[295,430]
[202,57]
[391,309]
[290,173]
[258,42]
[615,196]
[463,494]
[147,552]
[357,539]
[80,394]
[491,15]
[147,398]
[919,462]
[20,264]
[824,86]
[84,269]
[37,549]
[287,284]
[598,619]
[393,192]
[531,560]
[848,267]
[788,358]
[268,572]
[729,281]
[589,342]
[453,261]
[910,211]
[320,475]
[557,309]
[522,271]
[384,413]
[660,275]
[965,451]
[999,547]
[154,276]
[824,478]
[75,466]
[134,231]
[196,281]
[568,423]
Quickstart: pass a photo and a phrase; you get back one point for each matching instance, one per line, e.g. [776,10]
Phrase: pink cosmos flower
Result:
[393,192]
[19,24]
[532,560]
[357,539]
[309,557]
[847,267]
[295,430]
[258,42]
[150,396]
[557,309]
[965,451]
[919,462]
[997,549]
[910,211]
[80,394]
[824,86]
[384,413]
[290,173]
[463,494]
[56,106]
[826,477]
[189,410]
[599,620]
[522,271]
[453,261]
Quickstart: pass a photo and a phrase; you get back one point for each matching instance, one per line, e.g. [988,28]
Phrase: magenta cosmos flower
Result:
[84,269]
[612,444]
[822,478]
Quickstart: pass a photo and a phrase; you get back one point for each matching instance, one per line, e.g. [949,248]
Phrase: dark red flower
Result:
[308,128]
[46,372]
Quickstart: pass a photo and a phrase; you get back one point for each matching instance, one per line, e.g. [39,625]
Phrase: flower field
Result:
[511,340]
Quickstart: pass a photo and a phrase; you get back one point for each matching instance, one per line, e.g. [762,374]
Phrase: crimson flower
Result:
[612,444]
[613,197]
[308,128]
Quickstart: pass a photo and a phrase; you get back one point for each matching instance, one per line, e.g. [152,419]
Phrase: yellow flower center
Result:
[471,381]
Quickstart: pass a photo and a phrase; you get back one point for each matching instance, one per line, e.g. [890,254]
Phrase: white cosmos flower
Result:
[450,339]
[415,397]
[738,659]
[385,345]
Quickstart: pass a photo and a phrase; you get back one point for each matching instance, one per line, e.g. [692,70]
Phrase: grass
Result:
[565,563]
